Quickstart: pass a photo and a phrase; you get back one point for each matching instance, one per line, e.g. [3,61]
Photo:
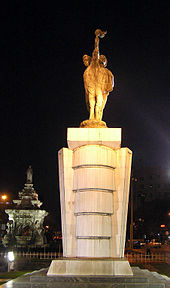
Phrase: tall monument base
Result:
[80,266]
[94,174]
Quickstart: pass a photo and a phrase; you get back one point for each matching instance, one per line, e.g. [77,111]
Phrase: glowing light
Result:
[4,197]
[11,256]
[163,226]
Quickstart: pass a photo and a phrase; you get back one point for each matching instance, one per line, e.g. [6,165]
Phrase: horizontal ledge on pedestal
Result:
[93,166]
[93,189]
[93,237]
[110,137]
[93,213]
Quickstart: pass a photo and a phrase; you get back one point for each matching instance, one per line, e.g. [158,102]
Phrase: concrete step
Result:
[156,277]
[141,279]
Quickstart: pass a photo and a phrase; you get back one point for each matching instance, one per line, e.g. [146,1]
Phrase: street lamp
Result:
[131,212]
[4,197]
[10,260]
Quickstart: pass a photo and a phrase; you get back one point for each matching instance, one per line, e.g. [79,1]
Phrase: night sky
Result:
[42,92]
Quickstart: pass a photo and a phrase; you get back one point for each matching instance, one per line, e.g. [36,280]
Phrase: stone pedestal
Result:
[94,190]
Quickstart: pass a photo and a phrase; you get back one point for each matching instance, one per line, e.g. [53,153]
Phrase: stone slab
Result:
[110,137]
[89,266]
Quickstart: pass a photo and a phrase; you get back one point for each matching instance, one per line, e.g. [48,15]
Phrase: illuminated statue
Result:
[29,175]
[98,80]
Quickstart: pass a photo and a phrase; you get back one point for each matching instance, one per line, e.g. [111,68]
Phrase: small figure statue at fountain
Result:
[29,174]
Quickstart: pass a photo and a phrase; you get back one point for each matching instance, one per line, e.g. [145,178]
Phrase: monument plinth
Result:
[94,190]
[94,176]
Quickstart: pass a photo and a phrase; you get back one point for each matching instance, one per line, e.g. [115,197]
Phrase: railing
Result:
[148,258]
[132,257]
[40,255]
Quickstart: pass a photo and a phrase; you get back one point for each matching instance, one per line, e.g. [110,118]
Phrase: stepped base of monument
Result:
[141,278]
[90,266]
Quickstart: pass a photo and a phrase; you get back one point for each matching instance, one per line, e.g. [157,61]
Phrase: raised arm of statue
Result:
[101,34]
[98,34]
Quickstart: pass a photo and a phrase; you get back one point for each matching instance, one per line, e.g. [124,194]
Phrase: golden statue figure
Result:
[98,82]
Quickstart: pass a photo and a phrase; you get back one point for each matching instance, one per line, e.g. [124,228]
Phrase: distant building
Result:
[150,183]
[25,224]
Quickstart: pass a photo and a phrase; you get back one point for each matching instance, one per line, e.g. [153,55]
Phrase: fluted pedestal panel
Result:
[93,184]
